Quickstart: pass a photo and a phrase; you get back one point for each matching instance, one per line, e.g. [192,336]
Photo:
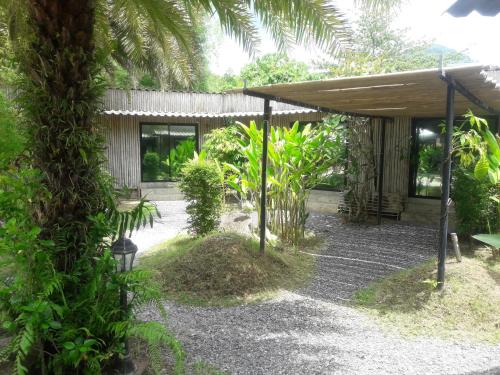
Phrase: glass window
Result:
[428,154]
[164,149]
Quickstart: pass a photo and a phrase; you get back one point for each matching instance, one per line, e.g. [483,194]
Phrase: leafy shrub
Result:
[12,139]
[429,159]
[202,185]
[476,193]
[298,160]
[223,145]
[475,211]
[151,165]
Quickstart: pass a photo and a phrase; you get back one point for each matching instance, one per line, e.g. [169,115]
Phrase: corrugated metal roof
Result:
[204,114]
[165,103]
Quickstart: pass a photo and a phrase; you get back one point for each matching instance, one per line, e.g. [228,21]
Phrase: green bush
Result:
[476,193]
[202,185]
[223,145]
[475,211]
[151,166]
[12,139]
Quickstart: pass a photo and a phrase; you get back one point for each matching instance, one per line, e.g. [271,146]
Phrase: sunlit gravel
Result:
[314,331]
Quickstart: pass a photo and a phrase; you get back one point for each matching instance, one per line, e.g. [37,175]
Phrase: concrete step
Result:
[163,194]
[324,201]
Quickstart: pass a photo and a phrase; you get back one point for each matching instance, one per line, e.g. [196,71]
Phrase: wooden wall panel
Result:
[122,149]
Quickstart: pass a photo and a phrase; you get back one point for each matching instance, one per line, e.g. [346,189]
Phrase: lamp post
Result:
[124,251]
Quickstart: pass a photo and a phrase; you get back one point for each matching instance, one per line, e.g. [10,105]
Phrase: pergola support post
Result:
[380,178]
[445,184]
[263,188]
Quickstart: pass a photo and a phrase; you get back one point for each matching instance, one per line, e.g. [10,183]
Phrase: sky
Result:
[475,35]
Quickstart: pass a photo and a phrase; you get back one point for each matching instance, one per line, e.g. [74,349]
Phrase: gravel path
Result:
[313,331]
[173,221]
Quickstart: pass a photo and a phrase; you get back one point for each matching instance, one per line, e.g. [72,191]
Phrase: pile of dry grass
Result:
[223,269]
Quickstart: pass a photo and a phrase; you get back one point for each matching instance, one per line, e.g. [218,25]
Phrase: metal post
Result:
[380,178]
[445,184]
[127,365]
[263,189]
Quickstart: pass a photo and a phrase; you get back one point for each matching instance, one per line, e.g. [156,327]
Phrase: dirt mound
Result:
[224,265]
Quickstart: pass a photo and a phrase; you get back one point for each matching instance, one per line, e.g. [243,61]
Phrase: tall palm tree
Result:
[62,47]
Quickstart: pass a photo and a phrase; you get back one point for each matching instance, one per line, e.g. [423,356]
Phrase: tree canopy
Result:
[379,48]
[376,47]
[275,68]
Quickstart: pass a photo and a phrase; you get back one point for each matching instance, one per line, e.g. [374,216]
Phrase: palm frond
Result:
[236,20]
[308,21]
[159,37]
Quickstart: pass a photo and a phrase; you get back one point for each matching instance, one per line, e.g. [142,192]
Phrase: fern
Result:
[133,219]
[156,335]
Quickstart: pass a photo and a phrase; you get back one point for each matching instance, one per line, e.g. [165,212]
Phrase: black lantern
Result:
[124,251]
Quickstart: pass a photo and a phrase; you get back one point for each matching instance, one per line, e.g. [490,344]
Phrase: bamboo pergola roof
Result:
[420,93]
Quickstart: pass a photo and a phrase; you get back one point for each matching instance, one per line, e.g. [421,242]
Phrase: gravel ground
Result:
[313,331]
[173,221]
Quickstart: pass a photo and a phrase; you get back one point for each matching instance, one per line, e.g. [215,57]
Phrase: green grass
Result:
[467,309]
[224,269]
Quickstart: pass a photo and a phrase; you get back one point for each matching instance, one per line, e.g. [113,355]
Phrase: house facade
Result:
[408,107]
[137,123]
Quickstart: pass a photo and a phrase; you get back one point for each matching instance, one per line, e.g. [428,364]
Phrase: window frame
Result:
[142,124]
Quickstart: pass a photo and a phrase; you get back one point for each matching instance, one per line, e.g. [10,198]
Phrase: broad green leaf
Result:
[232,167]
[55,325]
[493,176]
[481,168]
[492,143]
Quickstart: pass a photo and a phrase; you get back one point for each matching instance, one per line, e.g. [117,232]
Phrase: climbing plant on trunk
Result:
[60,99]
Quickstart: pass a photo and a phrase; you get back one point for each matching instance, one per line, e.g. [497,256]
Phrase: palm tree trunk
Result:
[61,99]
